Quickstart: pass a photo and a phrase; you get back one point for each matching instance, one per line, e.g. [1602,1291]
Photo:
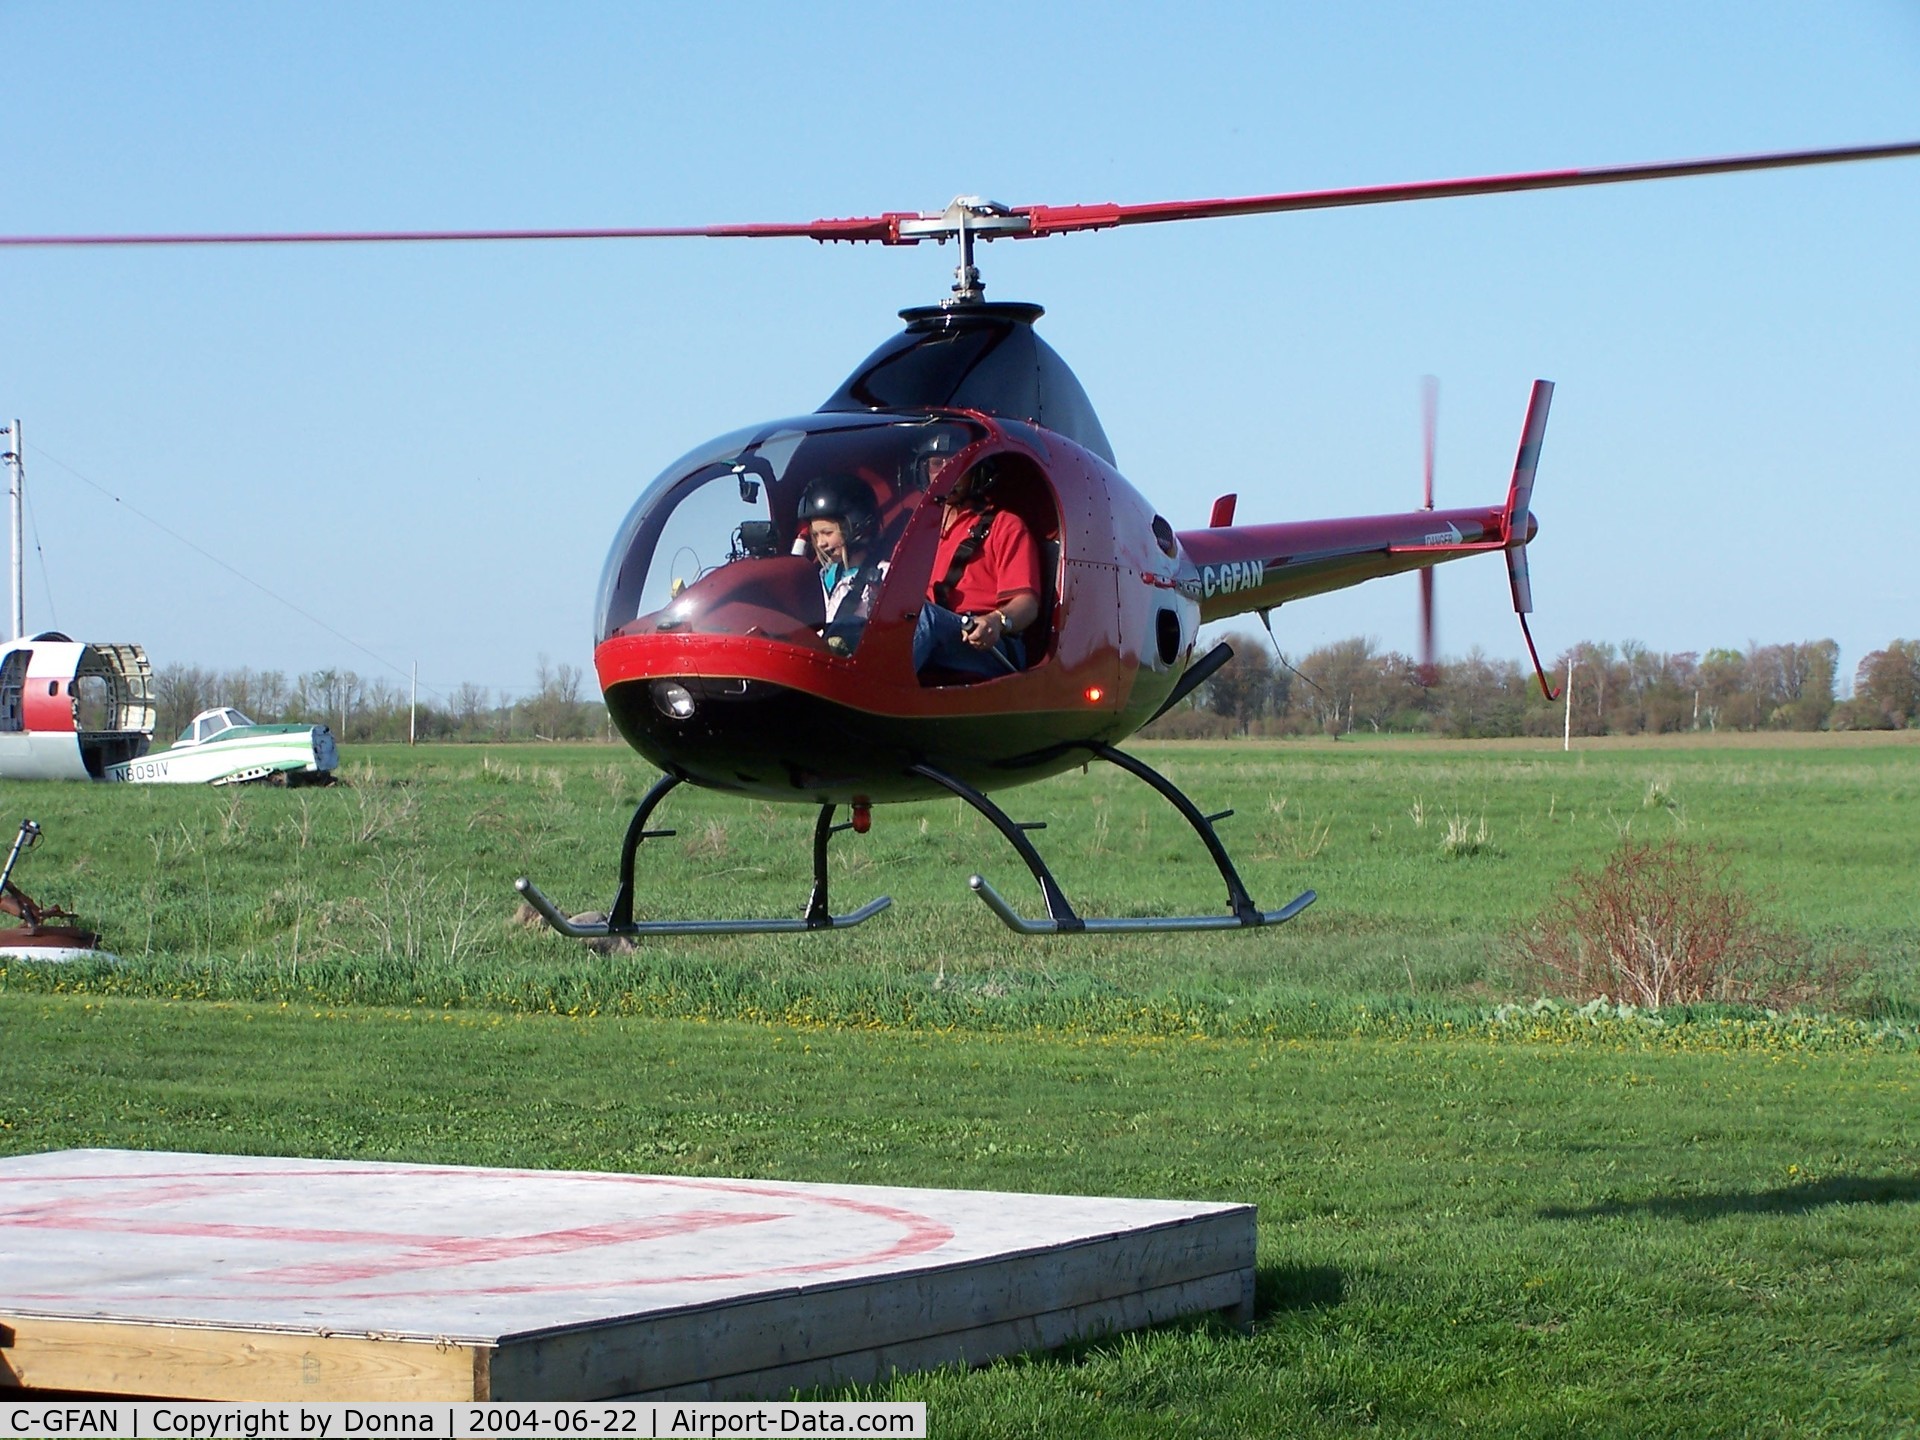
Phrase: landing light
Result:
[673,699]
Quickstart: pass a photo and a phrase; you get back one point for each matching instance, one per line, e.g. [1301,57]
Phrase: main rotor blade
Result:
[822,230]
[993,222]
[1052,220]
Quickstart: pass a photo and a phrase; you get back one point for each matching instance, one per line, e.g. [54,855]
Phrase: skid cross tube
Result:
[620,922]
[621,914]
[1244,910]
[819,914]
[1061,917]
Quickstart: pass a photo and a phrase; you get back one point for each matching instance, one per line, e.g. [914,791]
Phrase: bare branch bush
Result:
[1664,924]
[416,915]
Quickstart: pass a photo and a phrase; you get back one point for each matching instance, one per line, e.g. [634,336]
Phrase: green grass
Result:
[395,889]
[1545,1232]
[1478,1214]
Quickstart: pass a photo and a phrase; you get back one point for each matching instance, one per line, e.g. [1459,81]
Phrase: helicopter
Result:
[719,662]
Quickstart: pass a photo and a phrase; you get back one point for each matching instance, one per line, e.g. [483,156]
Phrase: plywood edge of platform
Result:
[978,1345]
[206,1362]
[795,1327]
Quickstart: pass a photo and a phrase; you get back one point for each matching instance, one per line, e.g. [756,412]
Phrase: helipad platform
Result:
[246,1278]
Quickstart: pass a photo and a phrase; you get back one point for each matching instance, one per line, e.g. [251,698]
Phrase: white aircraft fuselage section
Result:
[69,709]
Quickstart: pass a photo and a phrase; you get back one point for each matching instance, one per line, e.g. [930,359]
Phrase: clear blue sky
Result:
[429,448]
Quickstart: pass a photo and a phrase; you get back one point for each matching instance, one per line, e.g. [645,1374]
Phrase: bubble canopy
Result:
[723,523]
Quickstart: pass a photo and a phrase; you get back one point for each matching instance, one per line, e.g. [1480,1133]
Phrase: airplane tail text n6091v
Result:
[1242,568]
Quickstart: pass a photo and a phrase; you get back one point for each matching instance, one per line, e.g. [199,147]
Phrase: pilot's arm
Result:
[1013,615]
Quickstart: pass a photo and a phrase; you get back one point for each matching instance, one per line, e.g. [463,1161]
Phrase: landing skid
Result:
[1062,919]
[620,921]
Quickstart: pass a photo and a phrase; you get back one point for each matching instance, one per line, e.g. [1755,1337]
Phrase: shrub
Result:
[1664,925]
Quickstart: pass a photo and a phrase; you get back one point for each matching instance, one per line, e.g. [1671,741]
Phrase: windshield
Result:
[210,723]
[782,532]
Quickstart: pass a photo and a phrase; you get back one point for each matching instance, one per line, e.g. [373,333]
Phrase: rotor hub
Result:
[966,218]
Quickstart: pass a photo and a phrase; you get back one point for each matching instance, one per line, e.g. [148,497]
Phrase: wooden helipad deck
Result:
[243,1278]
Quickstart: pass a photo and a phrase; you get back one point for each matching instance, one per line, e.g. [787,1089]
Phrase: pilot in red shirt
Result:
[985,588]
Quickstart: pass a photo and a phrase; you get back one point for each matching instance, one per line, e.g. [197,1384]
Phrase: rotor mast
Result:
[966,218]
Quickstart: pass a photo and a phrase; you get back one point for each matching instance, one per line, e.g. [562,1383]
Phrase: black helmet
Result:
[846,499]
[943,443]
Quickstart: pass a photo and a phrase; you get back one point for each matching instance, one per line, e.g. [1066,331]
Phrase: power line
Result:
[235,571]
[40,554]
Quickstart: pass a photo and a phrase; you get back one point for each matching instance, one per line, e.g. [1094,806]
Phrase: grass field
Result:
[1477,1215]
[395,889]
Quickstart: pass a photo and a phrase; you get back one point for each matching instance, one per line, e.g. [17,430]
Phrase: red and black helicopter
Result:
[712,642]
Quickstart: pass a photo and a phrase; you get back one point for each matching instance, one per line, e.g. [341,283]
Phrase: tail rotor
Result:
[1429,670]
[1516,523]
[1519,518]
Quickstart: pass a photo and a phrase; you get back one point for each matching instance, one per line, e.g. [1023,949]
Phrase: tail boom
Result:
[1238,568]
[1244,568]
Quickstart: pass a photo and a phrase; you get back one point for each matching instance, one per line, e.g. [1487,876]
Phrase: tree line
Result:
[1351,686]
[369,708]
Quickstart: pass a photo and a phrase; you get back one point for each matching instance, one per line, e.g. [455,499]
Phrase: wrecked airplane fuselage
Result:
[69,710]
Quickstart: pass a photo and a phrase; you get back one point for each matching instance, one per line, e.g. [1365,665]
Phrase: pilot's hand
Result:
[986,630]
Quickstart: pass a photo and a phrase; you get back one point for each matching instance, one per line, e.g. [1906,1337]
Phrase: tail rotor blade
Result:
[1517,579]
[1520,493]
[1519,518]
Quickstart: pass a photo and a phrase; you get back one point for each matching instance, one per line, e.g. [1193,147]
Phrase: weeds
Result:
[301,829]
[167,846]
[1659,796]
[379,814]
[710,842]
[1465,838]
[1292,837]
[617,779]
[416,916]
[1664,924]
[850,861]
[233,819]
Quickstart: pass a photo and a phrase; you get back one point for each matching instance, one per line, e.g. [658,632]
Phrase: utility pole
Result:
[1566,740]
[413,704]
[16,486]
